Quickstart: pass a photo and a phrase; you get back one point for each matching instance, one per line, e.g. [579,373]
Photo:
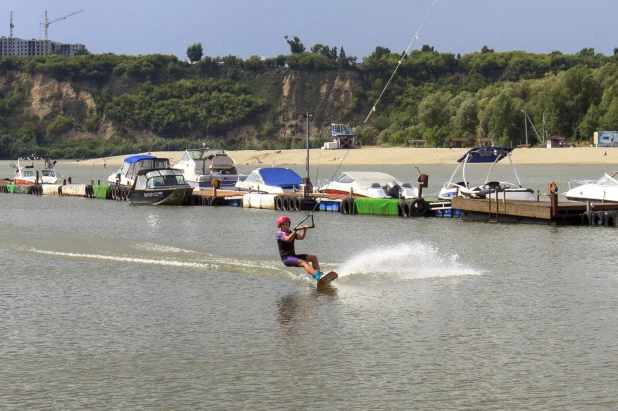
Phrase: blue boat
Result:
[273,180]
[125,176]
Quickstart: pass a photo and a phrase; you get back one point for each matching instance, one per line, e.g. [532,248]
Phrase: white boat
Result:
[201,165]
[125,176]
[28,168]
[369,184]
[272,180]
[460,186]
[603,190]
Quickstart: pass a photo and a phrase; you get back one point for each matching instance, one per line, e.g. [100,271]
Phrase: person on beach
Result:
[285,241]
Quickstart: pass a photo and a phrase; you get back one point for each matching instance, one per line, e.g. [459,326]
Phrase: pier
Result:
[491,209]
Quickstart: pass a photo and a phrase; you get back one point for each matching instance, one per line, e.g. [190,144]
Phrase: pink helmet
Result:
[282,219]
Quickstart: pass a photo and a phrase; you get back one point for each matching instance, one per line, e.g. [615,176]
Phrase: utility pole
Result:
[525,126]
[308,116]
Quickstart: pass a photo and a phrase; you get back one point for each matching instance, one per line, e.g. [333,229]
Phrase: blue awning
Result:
[487,154]
[280,177]
[135,159]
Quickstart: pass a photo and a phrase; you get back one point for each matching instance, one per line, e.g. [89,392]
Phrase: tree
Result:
[296,47]
[195,52]
[427,48]
[486,50]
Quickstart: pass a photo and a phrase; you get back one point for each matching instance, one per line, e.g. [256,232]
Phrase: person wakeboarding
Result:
[285,241]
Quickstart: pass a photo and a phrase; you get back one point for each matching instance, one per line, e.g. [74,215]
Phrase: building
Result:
[25,48]
[605,138]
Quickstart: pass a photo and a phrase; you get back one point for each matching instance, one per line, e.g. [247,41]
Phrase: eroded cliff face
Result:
[290,94]
[48,96]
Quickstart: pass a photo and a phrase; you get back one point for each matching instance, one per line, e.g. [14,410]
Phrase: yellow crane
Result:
[47,22]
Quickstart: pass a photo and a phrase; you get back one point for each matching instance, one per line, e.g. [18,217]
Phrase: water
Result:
[105,305]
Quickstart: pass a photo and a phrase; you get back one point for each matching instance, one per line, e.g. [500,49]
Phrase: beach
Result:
[376,156]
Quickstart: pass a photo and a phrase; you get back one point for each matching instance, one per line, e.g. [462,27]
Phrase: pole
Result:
[525,127]
[307,162]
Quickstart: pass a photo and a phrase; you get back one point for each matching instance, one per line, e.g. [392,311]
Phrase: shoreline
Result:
[376,156]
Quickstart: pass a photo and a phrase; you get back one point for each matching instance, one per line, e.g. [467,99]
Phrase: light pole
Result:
[525,126]
[308,116]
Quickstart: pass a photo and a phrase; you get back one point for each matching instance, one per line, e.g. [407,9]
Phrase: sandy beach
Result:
[375,156]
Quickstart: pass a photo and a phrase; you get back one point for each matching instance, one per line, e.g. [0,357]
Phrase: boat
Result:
[271,180]
[202,165]
[162,186]
[369,184]
[31,170]
[603,190]
[131,166]
[485,155]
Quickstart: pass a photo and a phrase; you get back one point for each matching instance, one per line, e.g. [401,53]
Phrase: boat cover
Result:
[136,158]
[280,177]
[487,154]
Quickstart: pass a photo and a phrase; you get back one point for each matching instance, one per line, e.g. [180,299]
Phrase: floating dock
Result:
[494,210]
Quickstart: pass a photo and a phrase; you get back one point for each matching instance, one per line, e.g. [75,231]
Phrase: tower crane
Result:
[47,22]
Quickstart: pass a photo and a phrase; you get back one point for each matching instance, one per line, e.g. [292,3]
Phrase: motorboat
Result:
[164,186]
[603,190]
[33,169]
[131,166]
[461,186]
[202,165]
[272,180]
[369,184]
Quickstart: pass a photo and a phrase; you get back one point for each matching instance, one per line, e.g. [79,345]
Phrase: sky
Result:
[257,27]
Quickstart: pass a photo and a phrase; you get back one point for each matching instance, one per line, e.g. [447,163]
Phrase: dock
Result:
[536,212]
[491,209]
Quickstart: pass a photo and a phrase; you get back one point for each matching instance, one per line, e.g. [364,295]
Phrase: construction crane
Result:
[46,23]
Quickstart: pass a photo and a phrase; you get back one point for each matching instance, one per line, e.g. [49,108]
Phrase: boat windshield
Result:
[344,178]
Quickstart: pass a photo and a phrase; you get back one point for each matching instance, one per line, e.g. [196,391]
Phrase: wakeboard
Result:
[327,279]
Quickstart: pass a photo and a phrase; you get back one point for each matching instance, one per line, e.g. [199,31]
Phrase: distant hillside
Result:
[95,105]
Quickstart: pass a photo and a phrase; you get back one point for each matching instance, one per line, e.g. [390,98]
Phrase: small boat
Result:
[202,165]
[29,168]
[369,184]
[131,166]
[272,180]
[485,155]
[163,186]
[603,190]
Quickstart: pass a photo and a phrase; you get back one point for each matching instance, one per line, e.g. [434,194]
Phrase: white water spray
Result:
[403,262]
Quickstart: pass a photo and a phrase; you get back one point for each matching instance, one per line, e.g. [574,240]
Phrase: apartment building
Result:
[24,48]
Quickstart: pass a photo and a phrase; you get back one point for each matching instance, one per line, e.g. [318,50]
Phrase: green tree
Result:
[296,47]
[59,125]
[195,52]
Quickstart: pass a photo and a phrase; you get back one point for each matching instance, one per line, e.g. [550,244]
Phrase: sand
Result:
[375,156]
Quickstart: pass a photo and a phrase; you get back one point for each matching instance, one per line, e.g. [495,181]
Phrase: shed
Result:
[556,141]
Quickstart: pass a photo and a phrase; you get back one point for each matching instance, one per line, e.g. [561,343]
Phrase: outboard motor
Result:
[393,189]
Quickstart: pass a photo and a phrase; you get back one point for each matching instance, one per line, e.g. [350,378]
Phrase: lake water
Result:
[105,305]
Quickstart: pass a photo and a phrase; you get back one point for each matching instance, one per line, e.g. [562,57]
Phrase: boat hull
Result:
[175,196]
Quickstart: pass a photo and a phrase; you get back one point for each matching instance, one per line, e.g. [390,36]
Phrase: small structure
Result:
[342,136]
[605,138]
[460,142]
[556,142]
[417,143]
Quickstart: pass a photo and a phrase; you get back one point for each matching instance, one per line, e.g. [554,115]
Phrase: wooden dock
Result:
[540,212]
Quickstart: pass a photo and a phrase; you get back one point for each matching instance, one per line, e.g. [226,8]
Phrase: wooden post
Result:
[423,180]
[552,191]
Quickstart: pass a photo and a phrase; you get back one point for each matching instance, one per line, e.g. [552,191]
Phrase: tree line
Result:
[434,95]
